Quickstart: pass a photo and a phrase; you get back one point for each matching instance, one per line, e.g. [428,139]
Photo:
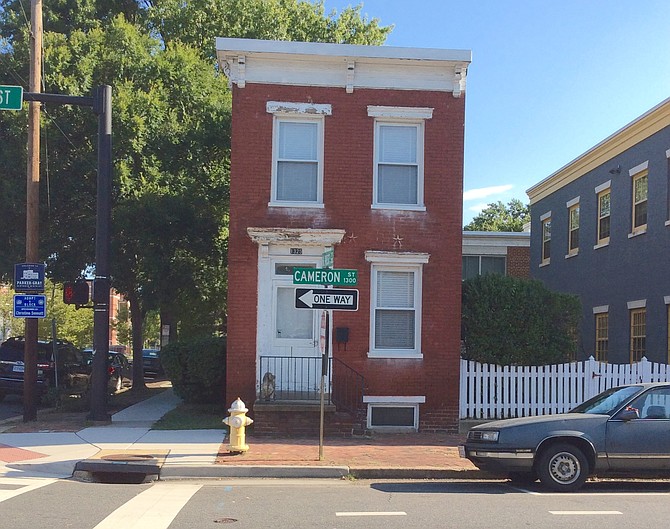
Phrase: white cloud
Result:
[483,192]
[478,208]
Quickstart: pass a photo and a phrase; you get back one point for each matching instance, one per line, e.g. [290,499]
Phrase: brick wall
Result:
[518,261]
[348,169]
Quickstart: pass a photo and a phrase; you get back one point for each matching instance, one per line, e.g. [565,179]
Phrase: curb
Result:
[328,472]
[248,471]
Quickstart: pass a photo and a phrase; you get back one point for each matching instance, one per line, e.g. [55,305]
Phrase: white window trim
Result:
[572,202]
[602,187]
[394,402]
[401,120]
[638,304]
[545,216]
[297,112]
[639,168]
[413,113]
[602,309]
[403,262]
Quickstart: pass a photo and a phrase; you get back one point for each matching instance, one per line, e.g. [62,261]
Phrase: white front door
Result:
[291,337]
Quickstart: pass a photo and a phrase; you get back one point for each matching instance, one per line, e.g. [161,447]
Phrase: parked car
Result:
[151,363]
[624,431]
[119,369]
[72,371]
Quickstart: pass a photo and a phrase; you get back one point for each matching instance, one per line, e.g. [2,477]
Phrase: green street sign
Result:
[11,97]
[324,276]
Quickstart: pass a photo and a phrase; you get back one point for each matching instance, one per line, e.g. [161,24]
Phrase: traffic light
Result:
[76,293]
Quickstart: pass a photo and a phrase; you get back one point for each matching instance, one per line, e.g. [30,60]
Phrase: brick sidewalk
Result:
[397,451]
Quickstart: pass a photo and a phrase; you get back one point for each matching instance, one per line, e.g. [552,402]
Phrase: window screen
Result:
[395,313]
[397,170]
[392,416]
[297,161]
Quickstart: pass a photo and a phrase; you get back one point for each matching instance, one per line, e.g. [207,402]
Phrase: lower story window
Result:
[602,336]
[638,334]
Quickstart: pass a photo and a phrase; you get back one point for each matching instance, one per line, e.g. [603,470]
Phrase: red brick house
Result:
[356,150]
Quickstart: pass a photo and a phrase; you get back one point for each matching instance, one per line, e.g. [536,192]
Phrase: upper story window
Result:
[297,153]
[640,194]
[399,157]
[546,238]
[573,227]
[604,209]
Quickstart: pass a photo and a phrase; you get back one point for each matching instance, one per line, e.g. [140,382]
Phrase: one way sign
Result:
[326,299]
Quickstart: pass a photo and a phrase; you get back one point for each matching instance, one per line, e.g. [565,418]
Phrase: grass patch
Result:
[193,417]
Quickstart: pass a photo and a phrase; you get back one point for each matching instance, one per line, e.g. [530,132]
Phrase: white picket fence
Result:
[498,392]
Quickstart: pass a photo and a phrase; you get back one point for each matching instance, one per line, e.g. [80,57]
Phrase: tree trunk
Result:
[168,319]
[136,321]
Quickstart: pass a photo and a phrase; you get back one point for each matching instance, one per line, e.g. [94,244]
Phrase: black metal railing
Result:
[286,378]
[291,378]
[348,387]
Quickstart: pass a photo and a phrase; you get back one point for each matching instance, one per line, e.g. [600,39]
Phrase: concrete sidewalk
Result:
[202,453]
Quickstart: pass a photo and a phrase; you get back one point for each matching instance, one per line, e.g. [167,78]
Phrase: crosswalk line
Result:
[155,508]
[12,487]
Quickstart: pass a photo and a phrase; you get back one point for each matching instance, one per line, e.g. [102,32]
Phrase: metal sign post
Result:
[323,345]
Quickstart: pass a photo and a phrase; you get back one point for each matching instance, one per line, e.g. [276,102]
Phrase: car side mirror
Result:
[629,414]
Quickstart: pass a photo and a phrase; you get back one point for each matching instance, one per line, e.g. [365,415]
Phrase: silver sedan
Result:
[622,431]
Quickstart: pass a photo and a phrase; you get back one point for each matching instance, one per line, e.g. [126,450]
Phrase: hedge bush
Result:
[197,368]
[513,321]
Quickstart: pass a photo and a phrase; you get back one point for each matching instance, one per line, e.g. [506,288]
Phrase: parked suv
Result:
[73,372]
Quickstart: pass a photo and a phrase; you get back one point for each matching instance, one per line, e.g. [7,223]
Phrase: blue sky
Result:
[549,79]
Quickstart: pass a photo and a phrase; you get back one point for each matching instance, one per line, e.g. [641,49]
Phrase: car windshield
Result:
[607,402]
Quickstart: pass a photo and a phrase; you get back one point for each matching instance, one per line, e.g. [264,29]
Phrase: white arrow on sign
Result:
[332,299]
[309,298]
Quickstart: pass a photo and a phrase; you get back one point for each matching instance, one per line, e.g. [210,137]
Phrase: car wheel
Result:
[562,468]
[522,478]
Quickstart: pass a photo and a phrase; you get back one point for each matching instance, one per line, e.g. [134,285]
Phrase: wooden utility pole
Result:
[32,207]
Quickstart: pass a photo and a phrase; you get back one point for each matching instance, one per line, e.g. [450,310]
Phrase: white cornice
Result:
[342,65]
[300,236]
[643,127]
[375,256]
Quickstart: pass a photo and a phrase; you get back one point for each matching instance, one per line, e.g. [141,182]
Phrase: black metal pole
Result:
[102,106]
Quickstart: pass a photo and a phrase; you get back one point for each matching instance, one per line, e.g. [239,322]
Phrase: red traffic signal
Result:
[76,293]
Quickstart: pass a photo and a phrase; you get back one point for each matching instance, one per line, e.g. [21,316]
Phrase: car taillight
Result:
[110,370]
[44,366]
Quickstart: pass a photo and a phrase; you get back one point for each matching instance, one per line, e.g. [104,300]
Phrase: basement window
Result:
[393,413]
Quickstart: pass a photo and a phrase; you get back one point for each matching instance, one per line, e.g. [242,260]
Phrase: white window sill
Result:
[573,254]
[399,207]
[396,354]
[636,233]
[667,222]
[601,245]
[310,205]
[545,263]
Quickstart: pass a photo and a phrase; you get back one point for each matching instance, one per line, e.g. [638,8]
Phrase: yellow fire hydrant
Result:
[237,421]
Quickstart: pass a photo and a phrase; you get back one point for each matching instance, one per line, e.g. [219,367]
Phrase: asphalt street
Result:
[11,406]
[286,503]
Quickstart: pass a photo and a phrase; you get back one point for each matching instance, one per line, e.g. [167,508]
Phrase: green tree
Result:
[171,115]
[512,321]
[500,217]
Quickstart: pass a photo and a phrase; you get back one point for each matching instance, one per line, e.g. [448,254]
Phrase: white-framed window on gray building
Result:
[398,157]
[297,153]
[573,227]
[640,194]
[604,197]
[545,221]
[480,265]
[395,304]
